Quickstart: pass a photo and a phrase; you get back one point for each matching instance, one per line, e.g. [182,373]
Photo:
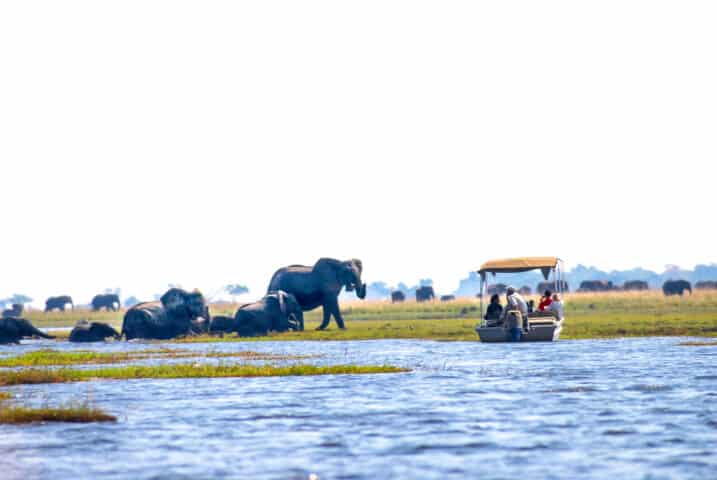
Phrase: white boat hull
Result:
[537,333]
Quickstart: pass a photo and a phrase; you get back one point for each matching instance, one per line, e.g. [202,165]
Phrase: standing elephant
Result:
[320,285]
[702,285]
[447,298]
[85,331]
[177,313]
[425,294]
[676,287]
[277,312]
[14,312]
[635,285]
[13,329]
[109,301]
[58,303]
[596,286]
[397,296]
[543,286]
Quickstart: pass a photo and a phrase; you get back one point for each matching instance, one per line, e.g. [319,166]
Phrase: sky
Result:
[202,143]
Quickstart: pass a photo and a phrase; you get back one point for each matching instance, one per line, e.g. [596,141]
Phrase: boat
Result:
[539,326]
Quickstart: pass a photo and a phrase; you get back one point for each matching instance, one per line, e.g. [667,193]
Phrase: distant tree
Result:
[116,290]
[236,289]
[19,298]
[131,301]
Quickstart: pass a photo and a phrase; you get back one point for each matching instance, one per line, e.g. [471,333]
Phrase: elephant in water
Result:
[58,303]
[13,329]
[676,287]
[85,331]
[109,301]
[320,285]
[277,312]
[177,313]
[221,324]
[14,312]
[397,296]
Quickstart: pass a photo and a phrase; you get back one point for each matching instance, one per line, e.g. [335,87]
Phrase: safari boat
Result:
[539,326]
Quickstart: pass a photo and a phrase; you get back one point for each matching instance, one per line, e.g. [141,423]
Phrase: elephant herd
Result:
[292,291]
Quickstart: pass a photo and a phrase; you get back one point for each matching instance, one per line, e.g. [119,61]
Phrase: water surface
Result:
[634,408]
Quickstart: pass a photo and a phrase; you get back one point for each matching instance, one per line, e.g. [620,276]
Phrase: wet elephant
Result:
[14,329]
[58,303]
[676,287]
[177,313]
[276,312]
[221,324]
[320,284]
[86,331]
[108,301]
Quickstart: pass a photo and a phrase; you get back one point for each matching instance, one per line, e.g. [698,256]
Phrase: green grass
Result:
[43,375]
[5,396]
[17,414]
[49,357]
[603,315]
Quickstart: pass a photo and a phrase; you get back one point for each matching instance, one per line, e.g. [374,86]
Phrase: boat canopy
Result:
[521,264]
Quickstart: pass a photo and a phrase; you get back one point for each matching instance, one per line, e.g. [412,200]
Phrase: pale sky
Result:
[203,143]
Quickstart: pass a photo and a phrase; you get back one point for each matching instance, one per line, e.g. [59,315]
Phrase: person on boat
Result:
[515,304]
[545,300]
[556,306]
[495,309]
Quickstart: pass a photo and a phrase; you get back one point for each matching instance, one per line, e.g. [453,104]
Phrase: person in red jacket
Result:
[545,300]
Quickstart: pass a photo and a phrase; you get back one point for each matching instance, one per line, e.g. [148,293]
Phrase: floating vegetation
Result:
[16,414]
[5,396]
[50,357]
[45,375]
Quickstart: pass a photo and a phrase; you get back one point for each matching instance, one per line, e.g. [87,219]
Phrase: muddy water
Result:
[639,408]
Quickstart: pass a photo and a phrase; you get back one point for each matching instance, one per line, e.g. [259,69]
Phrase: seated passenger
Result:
[556,306]
[494,308]
[545,301]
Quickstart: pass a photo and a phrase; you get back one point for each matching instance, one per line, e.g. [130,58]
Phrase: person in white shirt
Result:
[557,307]
[515,302]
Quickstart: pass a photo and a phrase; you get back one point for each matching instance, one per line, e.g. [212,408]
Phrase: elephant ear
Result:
[174,299]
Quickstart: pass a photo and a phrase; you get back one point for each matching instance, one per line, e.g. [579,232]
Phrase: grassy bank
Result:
[62,375]
[605,315]
[49,357]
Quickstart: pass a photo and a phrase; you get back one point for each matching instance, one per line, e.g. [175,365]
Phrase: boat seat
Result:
[537,318]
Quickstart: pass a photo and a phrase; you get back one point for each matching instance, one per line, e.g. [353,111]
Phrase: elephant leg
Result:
[327,318]
[336,312]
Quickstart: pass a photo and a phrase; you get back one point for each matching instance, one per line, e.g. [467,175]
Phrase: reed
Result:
[17,414]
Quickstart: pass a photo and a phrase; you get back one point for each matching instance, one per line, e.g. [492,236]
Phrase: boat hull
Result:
[537,333]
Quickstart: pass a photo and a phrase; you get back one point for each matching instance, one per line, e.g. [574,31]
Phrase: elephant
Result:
[447,298]
[85,331]
[13,329]
[597,286]
[58,303]
[320,285]
[635,285]
[221,324]
[109,301]
[543,286]
[676,287]
[525,290]
[498,288]
[397,296]
[14,312]
[425,294]
[177,313]
[706,285]
[277,311]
